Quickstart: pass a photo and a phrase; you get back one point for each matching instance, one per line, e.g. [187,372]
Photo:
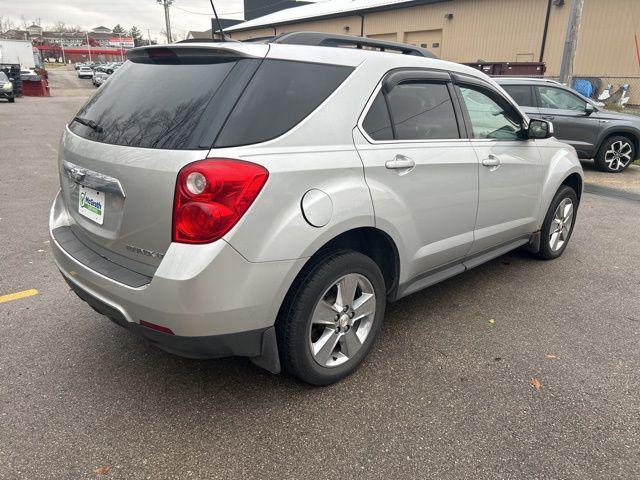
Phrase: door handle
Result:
[491,161]
[548,117]
[400,162]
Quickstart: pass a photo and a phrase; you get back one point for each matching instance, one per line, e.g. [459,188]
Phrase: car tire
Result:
[558,223]
[615,154]
[321,338]
[12,100]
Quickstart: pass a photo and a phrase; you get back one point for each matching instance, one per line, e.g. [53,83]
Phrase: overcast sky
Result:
[145,14]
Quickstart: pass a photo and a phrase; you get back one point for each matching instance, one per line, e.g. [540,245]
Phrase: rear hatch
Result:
[120,156]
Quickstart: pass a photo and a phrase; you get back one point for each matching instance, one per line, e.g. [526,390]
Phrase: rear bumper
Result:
[214,301]
[244,344]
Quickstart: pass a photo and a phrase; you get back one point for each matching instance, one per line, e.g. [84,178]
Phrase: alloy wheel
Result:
[342,320]
[618,156]
[561,225]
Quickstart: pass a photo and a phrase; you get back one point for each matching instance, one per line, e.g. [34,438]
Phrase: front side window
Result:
[551,97]
[491,119]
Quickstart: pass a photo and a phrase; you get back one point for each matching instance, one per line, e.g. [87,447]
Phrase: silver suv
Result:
[268,200]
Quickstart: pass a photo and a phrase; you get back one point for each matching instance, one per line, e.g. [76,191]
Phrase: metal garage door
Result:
[429,39]
[387,37]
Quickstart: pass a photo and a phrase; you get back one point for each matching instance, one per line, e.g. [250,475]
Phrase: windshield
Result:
[3,77]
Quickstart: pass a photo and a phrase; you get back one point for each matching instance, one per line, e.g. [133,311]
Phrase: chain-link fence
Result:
[613,92]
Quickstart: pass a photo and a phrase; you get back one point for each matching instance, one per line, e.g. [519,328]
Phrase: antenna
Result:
[213,34]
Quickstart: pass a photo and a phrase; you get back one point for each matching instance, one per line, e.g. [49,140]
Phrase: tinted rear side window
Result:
[280,95]
[422,111]
[152,105]
[521,94]
[377,123]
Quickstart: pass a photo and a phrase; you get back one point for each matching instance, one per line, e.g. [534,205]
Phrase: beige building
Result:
[471,30]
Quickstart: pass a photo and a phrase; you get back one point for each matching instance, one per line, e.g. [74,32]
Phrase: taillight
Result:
[212,195]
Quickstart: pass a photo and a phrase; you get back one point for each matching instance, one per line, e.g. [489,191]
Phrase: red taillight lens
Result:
[212,195]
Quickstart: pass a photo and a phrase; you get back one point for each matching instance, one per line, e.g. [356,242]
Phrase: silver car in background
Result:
[268,200]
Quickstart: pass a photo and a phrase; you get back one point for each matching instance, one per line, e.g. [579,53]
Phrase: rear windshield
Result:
[196,106]
[152,105]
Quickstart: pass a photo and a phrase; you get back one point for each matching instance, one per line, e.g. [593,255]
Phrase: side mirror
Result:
[540,129]
[589,109]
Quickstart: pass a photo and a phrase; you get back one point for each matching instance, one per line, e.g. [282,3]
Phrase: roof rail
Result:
[526,77]
[320,39]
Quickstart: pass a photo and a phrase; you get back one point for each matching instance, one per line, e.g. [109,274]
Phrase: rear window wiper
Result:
[88,123]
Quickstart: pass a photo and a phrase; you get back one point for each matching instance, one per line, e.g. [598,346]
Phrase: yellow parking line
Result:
[18,295]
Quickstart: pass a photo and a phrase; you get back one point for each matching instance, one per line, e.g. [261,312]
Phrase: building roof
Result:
[328,9]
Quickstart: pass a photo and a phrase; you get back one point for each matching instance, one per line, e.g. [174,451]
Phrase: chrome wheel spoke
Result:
[625,150]
[347,290]
[324,314]
[364,305]
[325,345]
[350,343]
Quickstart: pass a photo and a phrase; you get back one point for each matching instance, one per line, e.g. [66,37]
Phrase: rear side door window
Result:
[413,111]
[491,117]
[522,94]
[377,123]
[422,111]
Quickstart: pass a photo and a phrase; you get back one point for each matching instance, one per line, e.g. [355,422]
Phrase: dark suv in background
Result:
[610,138]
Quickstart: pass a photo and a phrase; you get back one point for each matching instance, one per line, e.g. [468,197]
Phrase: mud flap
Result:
[534,243]
[269,358]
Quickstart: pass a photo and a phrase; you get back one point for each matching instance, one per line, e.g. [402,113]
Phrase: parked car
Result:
[85,72]
[108,69]
[6,88]
[99,78]
[77,65]
[610,138]
[268,201]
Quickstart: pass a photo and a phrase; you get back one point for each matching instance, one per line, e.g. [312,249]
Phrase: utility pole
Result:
[64,60]
[571,41]
[89,46]
[149,35]
[166,4]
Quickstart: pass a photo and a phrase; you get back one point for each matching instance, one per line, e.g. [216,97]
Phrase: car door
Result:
[421,170]
[571,122]
[510,176]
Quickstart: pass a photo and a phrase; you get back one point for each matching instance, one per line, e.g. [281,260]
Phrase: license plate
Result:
[91,204]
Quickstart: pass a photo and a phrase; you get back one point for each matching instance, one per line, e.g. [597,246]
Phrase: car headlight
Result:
[8,86]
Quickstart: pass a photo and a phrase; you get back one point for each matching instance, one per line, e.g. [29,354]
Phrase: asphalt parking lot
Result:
[448,392]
